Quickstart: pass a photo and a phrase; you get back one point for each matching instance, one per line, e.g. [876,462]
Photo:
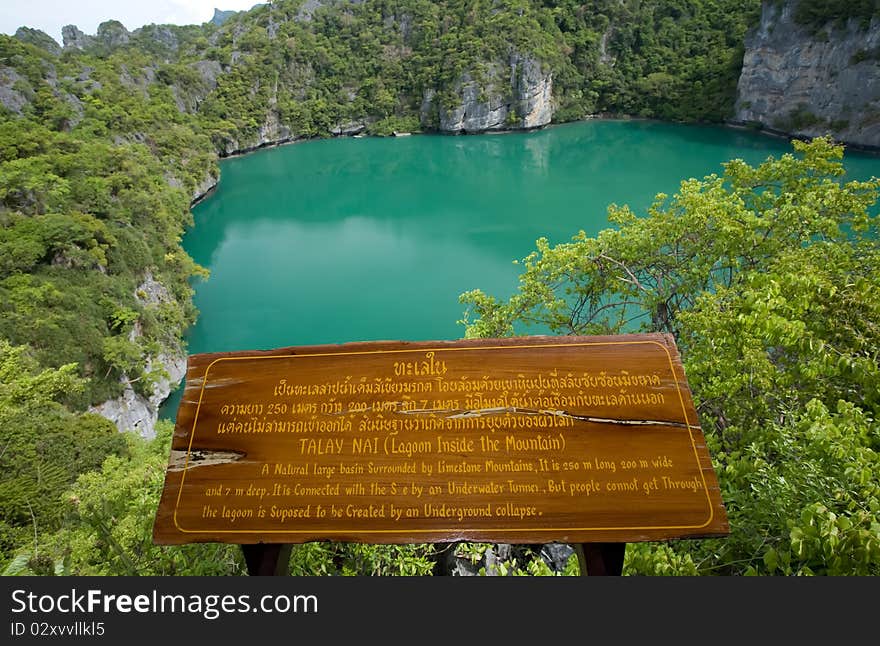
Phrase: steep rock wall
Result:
[810,83]
[517,95]
[133,411]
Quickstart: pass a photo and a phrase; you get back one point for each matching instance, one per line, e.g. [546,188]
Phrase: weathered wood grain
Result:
[519,440]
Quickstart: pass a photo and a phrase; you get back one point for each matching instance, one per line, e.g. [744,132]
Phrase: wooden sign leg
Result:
[601,559]
[267,559]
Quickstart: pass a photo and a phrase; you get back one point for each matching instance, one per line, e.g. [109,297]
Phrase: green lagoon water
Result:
[341,240]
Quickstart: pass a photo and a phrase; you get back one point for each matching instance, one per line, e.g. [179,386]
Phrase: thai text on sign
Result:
[531,439]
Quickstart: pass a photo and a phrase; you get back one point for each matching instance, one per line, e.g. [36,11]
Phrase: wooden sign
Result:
[520,440]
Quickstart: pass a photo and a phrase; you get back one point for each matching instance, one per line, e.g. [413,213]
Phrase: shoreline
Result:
[761,129]
[743,126]
[733,126]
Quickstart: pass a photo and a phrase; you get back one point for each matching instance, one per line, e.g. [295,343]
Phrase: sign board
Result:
[519,440]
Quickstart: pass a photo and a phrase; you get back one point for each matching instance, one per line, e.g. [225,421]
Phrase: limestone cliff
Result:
[811,82]
[271,132]
[137,413]
[134,411]
[220,16]
[39,39]
[516,95]
[511,91]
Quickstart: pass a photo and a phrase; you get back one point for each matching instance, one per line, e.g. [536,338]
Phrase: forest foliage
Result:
[817,14]
[103,149]
[766,276]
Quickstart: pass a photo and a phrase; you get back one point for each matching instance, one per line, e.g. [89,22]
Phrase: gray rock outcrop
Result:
[271,133]
[348,128]
[208,184]
[112,33]
[73,38]
[11,97]
[133,411]
[811,84]
[220,17]
[38,38]
[496,559]
[515,96]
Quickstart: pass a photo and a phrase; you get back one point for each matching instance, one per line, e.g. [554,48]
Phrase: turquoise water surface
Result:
[341,240]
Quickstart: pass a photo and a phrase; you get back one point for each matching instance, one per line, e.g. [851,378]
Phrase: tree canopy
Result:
[766,276]
[763,274]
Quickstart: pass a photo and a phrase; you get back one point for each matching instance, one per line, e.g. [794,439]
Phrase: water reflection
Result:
[359,239]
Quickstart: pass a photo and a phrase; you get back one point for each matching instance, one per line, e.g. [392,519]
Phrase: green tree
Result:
[108,526]
[43,447]
[767,278]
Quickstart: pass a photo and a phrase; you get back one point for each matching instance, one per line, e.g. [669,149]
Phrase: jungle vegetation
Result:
[765,275]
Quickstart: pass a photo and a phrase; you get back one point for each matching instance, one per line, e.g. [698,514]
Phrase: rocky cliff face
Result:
[221,16]
[74,38]
[513,96]
[133,411]
[39,39]
[11,98]
[514,92]
[271,133]
[810,84]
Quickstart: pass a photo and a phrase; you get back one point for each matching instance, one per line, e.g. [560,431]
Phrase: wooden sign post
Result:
[584,440]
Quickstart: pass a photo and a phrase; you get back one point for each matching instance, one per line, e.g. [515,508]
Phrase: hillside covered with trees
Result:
[765,275]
